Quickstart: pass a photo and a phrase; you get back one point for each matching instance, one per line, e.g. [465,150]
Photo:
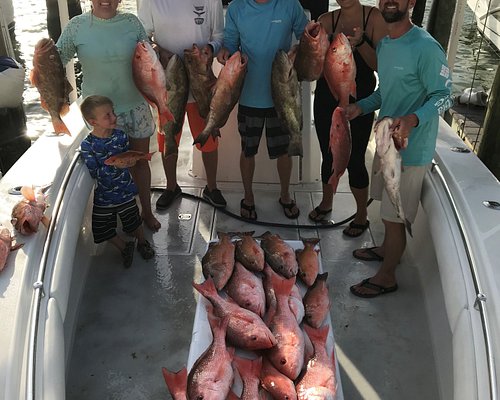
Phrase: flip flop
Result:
[250,210]
[360,228]
[373,286]
[289,207]
[320,214]
[371,255]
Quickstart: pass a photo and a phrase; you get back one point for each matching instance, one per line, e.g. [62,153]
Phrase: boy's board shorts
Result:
[137,123]
[196,126]
[104,220]
[412,178]
[251,121]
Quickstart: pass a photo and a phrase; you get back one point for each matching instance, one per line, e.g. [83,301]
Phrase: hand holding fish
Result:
[357,39]
[223,55]
[401,128]
[163,54]
[352,111]
[209,51]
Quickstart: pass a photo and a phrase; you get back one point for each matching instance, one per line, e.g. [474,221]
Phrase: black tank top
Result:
[365,79]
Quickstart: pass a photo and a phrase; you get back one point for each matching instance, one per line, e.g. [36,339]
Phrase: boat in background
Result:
[487,13]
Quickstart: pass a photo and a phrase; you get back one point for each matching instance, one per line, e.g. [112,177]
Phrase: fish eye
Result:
[283,361]
[253,337]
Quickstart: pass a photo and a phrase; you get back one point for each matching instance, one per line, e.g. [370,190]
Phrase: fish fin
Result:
[64,109]
[45,221]
[28,193]
[16,246]
[67,88]
[34,77]
[353,89]
[175,379]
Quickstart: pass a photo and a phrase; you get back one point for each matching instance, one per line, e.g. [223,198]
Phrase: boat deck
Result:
[133,322]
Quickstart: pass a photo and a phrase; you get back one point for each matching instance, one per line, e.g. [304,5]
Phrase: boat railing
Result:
[480,303]
[39,285]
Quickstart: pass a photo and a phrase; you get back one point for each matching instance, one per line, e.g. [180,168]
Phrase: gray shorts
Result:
[138,122]
[412,178]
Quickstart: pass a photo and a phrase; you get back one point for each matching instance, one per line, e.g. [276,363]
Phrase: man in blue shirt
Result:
[259,28]
[414,88]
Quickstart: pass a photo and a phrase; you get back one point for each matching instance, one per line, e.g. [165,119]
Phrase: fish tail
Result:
[295,149]
[207,288]
[247,367]
[318,335]
[175,379]
[282,286]
[60,126]
[202,138]
[166,116]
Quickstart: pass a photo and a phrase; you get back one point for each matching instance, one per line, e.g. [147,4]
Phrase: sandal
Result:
[128,254]
[250,212]
[355,230]
[145,250]
[318,215]
[370,254]
[290,209]
[378,289]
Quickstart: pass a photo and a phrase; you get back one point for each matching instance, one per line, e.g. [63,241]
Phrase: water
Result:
[475,65]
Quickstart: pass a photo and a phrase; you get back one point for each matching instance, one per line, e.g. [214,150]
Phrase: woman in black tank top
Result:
[364,26]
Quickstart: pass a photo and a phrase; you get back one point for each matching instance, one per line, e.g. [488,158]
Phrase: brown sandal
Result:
[248,210]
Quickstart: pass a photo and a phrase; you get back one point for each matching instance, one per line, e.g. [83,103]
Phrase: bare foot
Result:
[151,222]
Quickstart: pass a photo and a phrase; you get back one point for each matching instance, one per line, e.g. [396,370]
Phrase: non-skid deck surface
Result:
[133,322]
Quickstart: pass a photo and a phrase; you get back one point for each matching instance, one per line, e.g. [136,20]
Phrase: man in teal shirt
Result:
[414,88]
[259,28]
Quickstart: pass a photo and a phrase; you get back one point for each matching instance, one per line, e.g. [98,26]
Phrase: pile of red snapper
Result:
[256,307]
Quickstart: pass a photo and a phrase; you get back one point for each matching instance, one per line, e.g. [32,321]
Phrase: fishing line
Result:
[320,225]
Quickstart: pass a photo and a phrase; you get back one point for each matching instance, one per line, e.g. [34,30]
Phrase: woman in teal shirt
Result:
[104,41]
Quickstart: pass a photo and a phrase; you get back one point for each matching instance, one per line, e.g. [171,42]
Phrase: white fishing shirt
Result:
[178,24]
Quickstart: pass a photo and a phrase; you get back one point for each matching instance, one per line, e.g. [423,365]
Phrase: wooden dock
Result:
[467,120]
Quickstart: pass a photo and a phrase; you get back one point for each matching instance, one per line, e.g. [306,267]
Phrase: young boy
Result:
[114,193]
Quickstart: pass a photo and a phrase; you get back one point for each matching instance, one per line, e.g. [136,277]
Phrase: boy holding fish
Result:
[114,193]
[415,86]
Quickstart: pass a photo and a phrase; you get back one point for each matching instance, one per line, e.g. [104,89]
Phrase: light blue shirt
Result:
[105,49]
[259,30]
[413,78]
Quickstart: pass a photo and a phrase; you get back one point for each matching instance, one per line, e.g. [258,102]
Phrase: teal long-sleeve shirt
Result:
[259,30]
[414,78]
[105,49]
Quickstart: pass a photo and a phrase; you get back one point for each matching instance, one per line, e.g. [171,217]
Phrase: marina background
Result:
[475,64]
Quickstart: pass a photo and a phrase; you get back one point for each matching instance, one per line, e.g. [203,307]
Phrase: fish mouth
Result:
[26,227]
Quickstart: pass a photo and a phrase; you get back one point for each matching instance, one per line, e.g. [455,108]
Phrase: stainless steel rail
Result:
[38,286]
[481,300]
